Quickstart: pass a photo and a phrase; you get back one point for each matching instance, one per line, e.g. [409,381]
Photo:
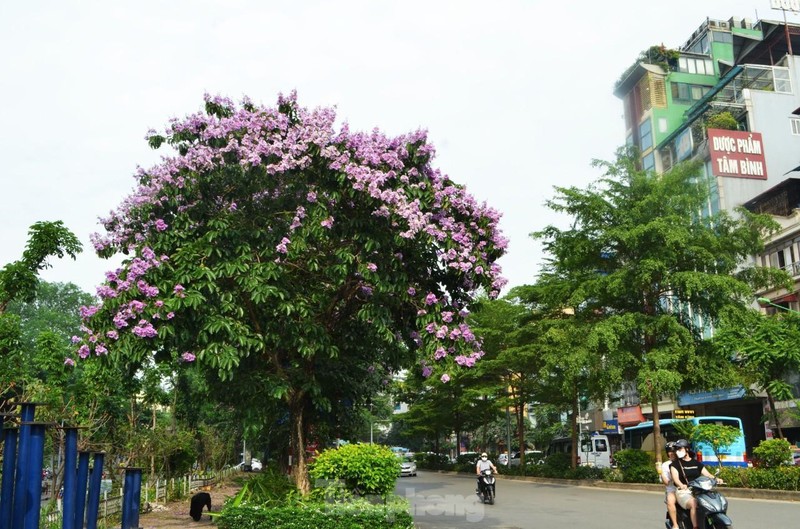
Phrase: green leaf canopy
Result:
[274,242]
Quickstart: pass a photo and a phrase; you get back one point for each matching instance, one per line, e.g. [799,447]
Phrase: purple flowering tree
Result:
[273,239]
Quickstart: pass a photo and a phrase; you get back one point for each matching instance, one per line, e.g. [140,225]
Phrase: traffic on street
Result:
[448,500]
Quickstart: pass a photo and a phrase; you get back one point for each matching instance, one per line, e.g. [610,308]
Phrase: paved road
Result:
[448,501]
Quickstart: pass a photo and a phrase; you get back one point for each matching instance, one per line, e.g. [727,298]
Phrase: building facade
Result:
[728,97]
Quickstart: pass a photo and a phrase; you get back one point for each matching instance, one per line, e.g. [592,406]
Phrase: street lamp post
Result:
[767,301]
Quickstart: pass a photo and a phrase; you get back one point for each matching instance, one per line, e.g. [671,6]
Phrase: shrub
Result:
[355,515]
[586,472]
[268,487]
[778,478]
[559,461]
[363,468]
[467,458]
[723,120]
[636,466]
[433,461]
[772,453]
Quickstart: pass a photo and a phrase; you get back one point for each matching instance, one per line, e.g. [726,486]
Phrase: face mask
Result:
[483,459]
[680,453]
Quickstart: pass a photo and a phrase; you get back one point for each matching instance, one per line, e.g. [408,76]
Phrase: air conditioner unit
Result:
[723,25]
[712,23]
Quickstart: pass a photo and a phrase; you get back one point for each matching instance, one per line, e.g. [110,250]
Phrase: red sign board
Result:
[629,415]
[737,153]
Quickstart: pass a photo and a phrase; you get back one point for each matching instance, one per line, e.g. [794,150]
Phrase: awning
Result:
[629,415]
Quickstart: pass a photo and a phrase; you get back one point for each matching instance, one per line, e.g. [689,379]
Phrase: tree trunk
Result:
[484,430]
[152,453]
[298,444]
[656,426]
[574,428]
[520,413]
[775,416]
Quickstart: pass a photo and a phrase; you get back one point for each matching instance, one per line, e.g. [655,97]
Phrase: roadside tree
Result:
[767,349]
[18,282]
[320,253]
[645,259]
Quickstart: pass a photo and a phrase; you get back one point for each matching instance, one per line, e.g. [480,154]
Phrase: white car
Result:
[407,466]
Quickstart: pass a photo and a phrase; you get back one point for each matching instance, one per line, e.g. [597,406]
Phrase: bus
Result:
[641,437]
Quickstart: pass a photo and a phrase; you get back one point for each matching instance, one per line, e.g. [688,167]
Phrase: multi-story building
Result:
[729,97]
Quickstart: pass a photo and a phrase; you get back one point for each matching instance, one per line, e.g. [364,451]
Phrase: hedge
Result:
[780,478]
[356,515]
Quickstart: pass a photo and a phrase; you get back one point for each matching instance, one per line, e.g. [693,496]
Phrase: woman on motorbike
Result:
[666,479]
[483,464]
[684,469]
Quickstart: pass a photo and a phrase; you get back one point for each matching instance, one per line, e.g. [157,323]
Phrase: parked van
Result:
[594,450]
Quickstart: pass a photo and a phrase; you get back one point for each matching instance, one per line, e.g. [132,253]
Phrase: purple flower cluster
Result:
[389,173]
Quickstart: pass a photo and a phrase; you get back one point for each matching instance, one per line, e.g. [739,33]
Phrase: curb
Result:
[729,492]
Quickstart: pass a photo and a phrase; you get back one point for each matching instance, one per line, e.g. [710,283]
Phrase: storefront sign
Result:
[629,415]
[702,397]
[737,153]
[679,413]
[785,5]
[610,426]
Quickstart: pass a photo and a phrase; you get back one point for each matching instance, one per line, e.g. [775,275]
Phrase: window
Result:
[777,259]
[692,65]
[783,82]
[722,36]
[645,135]
[701,46]
[795,124]
[688,93]
[649,162]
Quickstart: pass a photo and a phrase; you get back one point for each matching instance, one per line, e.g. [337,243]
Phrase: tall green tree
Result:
[767,348]
[641,260]
[512,362]
[19,281]
[272,235]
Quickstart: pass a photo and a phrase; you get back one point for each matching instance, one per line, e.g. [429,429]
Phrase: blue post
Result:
[33,482]
[70,478]
[132,495]
[126,489]
[7,487]
[93,502]
[80,491]
[21,476]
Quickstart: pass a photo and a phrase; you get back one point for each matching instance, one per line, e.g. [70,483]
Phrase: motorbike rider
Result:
[666,479]
[684,469]
[483,464]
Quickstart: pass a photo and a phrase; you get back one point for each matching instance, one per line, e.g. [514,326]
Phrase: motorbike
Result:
[711,507]
[486,487]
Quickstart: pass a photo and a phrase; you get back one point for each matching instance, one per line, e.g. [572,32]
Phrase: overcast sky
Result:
[516,95]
